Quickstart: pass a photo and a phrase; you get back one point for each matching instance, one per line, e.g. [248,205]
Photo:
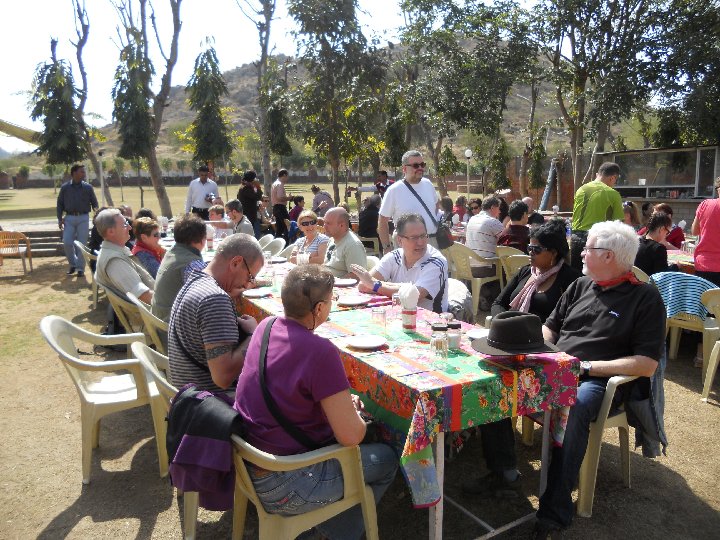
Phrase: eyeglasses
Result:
[586,249]
[309,223]
[536,249]
[333,298]
[251,276]
[628,204]
[420,165]
[414,238]
[475,207]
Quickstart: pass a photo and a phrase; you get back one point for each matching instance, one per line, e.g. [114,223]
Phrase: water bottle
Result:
[568,229]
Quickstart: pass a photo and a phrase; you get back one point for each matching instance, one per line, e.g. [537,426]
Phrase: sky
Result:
[29,25]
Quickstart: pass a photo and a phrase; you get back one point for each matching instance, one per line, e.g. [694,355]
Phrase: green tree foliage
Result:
[498,165]
[395,127]
[166,164]
[334,105]
[131,104]
[211,134]
[181,165]
[64,138]
[274,100]
[537,158]
[449,164]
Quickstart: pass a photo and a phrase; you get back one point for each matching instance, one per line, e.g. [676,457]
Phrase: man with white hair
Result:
[616,326]
[116,268]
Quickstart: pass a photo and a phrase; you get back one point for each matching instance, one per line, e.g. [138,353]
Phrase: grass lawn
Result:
[39,203]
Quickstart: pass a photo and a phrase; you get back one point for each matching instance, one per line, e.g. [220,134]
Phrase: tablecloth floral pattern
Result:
[415,396]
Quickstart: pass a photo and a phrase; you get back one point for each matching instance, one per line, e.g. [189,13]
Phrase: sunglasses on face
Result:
[474,208]
[309,223]
[420,165]
[536,249]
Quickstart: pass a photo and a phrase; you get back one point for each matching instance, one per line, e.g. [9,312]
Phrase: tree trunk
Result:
[335,167]
[525,160]
[96,166]
[158,184]
[603,131]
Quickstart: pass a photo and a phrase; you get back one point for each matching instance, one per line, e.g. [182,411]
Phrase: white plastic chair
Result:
[274,526]
[265,240]
[371,262]
[513,263]
[127,313]
[98,398]
[375,241]
[461,257]
[275,246]
[287,251]
[154,328]
[606,419]
[88,255]
[161,393]
[640,274]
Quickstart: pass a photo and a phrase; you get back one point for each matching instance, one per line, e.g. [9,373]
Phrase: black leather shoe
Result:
[494,485]
[545,530]
[71,271]
[81,274]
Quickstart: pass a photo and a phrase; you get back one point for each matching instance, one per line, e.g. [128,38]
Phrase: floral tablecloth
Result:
[415,396]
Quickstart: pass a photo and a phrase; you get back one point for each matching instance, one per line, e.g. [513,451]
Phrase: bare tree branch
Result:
[157,34]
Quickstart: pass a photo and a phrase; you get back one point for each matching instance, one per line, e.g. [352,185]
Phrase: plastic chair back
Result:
[99,396]
[274,526]
[275,246]
[154,328]
[287,251]
[375,241]
[265,240]
[640,274]
[460,257]
[371,261]
[506,251]
[513,263]
[88,255]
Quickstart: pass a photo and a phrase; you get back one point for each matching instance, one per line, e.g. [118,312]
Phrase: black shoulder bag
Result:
[291,429]
[442,235]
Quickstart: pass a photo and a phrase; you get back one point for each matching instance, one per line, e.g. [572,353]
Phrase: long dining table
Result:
[418,399]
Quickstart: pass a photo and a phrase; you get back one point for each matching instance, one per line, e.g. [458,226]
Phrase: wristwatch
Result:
[585,367]
[377,286]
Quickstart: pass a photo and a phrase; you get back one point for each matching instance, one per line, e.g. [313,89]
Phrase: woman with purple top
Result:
[306,379]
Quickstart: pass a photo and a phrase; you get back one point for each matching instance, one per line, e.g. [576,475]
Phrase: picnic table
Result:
[418,399]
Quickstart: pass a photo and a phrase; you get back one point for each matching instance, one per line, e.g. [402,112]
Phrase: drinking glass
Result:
[379,317]
[268,256]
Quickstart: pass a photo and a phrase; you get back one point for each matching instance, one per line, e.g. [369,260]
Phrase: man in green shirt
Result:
[594,202]
[344,248]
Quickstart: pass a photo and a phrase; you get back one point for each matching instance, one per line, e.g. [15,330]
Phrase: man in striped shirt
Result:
[207,341]
[414,262]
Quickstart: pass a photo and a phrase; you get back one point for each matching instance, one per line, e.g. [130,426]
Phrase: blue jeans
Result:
[76,228]
[256,228]
[310,488]
[556,504]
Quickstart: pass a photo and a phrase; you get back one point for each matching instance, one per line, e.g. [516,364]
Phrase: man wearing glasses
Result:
[616,326]
[116,269]
[594,202]
[405,197]
[415,262]
[206,339]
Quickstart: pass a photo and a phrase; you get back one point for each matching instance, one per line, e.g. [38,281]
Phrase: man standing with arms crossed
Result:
[279,200]
[201,193]
[595,201]
[399,199]
[75,200]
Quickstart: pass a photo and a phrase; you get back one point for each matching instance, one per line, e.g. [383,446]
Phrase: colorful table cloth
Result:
[415,396]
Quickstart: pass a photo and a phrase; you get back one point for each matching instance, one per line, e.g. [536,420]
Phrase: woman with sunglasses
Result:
[314,242]
[473,209]
[536,288]
[652,253]
[305,378]
[147,244]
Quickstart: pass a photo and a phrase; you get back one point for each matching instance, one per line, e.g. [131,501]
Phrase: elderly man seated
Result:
[414,262]
[190,236]
[207,341]
[616,326]
[344,249]
[116,268]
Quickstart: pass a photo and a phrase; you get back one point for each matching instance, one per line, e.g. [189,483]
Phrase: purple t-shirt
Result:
[302,370]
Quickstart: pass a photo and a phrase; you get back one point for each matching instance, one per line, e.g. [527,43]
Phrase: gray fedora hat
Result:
[514,332]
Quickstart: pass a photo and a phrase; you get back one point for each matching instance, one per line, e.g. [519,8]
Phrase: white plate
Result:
[345,282]
[352,300]
[278,260]
[257,293]
[366,342]
[477,333]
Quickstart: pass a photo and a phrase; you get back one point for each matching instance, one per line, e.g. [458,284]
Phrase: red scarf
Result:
[140,246]
[629,277]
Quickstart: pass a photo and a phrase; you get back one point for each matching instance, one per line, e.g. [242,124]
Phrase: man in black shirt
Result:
[74,201]
[249,195]
[616,326]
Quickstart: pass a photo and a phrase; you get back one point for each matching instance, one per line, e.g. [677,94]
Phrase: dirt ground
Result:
[42,495]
